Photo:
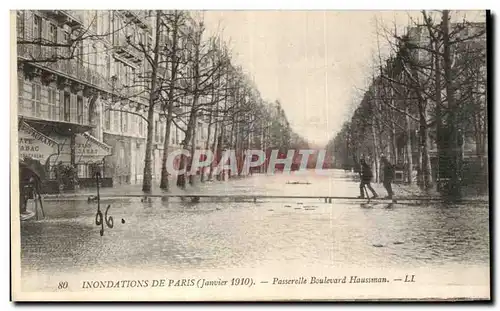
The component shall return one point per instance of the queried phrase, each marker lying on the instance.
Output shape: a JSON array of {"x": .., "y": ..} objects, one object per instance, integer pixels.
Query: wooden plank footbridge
[{"x": 257, "y": 198}]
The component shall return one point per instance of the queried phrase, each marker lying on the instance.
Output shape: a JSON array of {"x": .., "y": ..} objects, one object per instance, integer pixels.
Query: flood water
[{"x": 229, "y": 235}]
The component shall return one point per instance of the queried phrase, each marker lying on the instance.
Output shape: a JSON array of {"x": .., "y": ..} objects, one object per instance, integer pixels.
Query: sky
[{"x": 316, "y": 63}]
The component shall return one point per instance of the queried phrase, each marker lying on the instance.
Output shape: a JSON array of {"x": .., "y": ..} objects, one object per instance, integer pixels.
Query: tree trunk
[
  {"x": 148, "y": 172},
  {"x": 439, "y": 121},
  {"x": 193, "y": 148},
  {"x": 375, "y": 155},
  {"x": 181, "y": 178},
  {"x": 190, "y": 131},
  {"x": 164, "y": 183},
  {"x": 214, "y": 152},
  {"x": 376, "y": 141},
  {"x": 408, "y": 149},
  {"x": 220, "y": 175},
  {"x": 231, "y": 141},
  {"x": 166, "y": 144},
  {"x": 424, "y": 159},
  {"x": 394, "y": 148},
  {"x": 454, "y": 190},
  {"x": 207, "y": 143},
  {"x": 394, "y": 151}
]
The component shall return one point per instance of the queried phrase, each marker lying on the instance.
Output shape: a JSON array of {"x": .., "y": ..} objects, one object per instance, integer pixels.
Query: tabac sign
[
  {"x": 87, "y": 145},
  {"x": 87, "y": 148},
  {"x": 34, "y": 144}
]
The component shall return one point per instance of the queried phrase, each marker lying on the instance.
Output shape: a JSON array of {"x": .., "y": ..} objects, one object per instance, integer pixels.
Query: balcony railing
[
  {"x": 67, "y": 17},
  {"x": 124, "y": 48},
  {"x": 45, "y": 111},
  {"x": 76, "y": 71},
  {"x": 138, "y": 17},
  {"x": 69, "y": 67}
]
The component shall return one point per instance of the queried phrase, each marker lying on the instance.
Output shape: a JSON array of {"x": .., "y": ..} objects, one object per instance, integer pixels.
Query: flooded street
[{"x": 189, "y": 237}]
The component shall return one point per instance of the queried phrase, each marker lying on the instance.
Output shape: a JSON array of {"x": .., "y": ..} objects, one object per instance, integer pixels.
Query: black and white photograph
[{"x": 250, "y": 155}]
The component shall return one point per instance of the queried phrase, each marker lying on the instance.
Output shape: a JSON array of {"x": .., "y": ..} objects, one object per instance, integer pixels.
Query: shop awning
[
  {"x": 64, "y": 128},
  {"x": 34, "y": 144},
  {"x": 88, "y": 149}
]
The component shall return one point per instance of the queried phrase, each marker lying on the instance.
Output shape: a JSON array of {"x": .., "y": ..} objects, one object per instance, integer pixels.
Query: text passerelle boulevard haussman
[{"x": 328, "y": 280}]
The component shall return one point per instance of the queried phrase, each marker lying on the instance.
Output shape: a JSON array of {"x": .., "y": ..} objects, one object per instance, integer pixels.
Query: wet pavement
[{"x": 182, "y": 236}]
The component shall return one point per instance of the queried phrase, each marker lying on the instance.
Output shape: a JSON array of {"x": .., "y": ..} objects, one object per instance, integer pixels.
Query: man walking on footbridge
[
  {"x": 366, "y": 176},
  {"x": 388, "y": 176}
]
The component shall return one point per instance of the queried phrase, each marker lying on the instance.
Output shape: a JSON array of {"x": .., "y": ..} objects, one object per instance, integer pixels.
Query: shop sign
[{"x": 34, "y": 144}]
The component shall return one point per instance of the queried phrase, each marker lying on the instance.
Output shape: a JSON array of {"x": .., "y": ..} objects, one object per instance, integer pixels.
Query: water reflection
[{"x": 186, "y": 235}]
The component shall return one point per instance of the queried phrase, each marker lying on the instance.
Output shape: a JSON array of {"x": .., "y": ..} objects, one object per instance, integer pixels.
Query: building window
[
  {"x": 124, "y": 119},
  {"x": 127, "y": 75},
  {"x": 172, "y": 134},
  {"x": 162, "y": 133},
  {"x": 157, "y": 130},
  {"x": 108, "y": 67},
  {"x": 116, "y": 121},
  {"x": 117, "y": 69},
  {"x": 141, "y": 126},
  {"x": 94, "y": 22},
  {"x": 64, "y": 51},
  {"x": 200, "y": 131},
  {"x": 116, "y": 28},
  {"x": 53, "y": 38},
  {"x": 107, "y": 119},
  {"x": 79, "y": 55},
  {"x": 37, "y": 34},
  {"x": 83, "y": 171},
  {"x": 94, "y": 58},
  {"x": 52, "y": 104},
  {"x": 37, "y": 27},
  {"x": 67, "y": 106},
  {"x": 20, "y": 24},
  {"x": 79, "y": 109},
  {"x": 36, "y": 95},
  {"x": 122, "y": 156},
  {"x": 105, "y": 23}
]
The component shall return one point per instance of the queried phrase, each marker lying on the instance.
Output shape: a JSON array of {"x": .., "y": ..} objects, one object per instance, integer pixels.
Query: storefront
[
  {"x": 57, "y": 149},
  {"x": 90, "y": 155}
]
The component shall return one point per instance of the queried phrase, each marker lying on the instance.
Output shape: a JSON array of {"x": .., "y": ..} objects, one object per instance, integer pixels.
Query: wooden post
[{"x": 36, "y": 206}]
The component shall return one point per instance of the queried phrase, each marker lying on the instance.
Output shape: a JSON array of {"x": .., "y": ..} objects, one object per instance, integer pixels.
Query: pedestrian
[
  {"x": 366, "y": 176},
  {"x": 388, "y": 176}
]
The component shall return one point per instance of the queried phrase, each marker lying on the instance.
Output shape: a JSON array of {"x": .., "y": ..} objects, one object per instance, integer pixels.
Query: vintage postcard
[{"x": 168, "y": 155}]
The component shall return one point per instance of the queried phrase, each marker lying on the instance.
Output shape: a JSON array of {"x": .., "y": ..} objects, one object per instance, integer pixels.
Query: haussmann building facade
[{"x": 74, "y": 104}]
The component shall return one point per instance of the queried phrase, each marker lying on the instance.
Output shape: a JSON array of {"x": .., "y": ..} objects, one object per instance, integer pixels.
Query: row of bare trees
[
  {"x": 186, "y": 75},
  {"x": 426, "y": 106},
  {"x": 193, "y": 79}
]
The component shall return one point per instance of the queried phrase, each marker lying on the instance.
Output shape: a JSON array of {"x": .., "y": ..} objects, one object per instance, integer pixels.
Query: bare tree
[
  {"x": 176, "y": 60},
  {"x": 206, "y": 66}
]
